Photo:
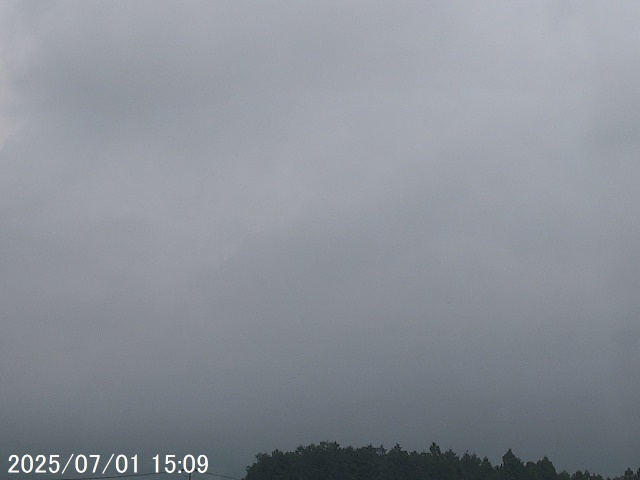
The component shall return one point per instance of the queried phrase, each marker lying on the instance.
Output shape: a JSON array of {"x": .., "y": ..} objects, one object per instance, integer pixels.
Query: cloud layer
[{"x": 232, "y": 228}]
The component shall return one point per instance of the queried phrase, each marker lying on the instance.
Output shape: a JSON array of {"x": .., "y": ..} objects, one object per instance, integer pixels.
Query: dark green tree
[{"x": 330, "y": 461}]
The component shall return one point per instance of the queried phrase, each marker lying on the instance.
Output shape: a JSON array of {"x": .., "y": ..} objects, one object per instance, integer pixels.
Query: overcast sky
[{"x": 231, "y": 227}]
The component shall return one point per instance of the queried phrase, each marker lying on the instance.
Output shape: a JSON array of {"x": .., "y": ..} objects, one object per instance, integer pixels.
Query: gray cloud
[{"x": 234, "y": 228}]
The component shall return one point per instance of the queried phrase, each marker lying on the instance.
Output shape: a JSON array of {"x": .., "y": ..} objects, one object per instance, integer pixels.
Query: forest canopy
[{"x": 330, "y": 461}]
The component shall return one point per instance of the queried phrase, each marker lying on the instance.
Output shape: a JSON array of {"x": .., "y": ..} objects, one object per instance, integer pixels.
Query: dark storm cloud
[{"x": 238, "y": 228}]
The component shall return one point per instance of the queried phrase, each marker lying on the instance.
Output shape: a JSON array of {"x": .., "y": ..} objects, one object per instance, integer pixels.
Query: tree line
[{"x": 330, "y": 461}]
